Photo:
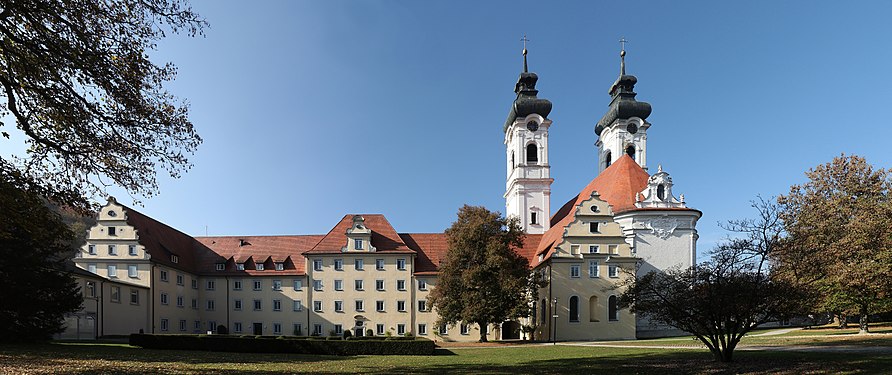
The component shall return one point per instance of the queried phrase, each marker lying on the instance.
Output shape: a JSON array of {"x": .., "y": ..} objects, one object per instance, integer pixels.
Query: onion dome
[
  {"x": 622, "y": 103},
  {"x": 527, "y": 102}
]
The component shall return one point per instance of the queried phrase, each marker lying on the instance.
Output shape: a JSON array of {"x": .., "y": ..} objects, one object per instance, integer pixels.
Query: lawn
[{"x": 534, "y": 358}]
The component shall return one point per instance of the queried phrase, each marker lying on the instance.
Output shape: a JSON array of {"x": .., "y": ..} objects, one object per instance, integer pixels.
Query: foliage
[
  {"x": 482, "y": 279},
  {"x": 227, "y": 343},
  {"x": 840, "y": 243},
  {"x": 721, "y": 300},
  {"x": 34, "y": 243},
  {"x": 77, "y": 79}
]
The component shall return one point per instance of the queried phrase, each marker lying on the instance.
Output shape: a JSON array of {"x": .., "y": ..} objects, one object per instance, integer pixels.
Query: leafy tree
[
  {"x": 482, "y": 280},
  {"x": 840, "y": 243},
  {"x": 723, "y": 299},
  {"x": 34, "y": 244},
  {"x": 76, "y": 78}
]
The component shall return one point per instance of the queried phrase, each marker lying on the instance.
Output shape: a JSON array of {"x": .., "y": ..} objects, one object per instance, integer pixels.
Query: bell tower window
[
  {"x": 607, "y": 160},
  {"x": 532, "y": 153},
  {"x": 661, "y": 192},
  {"x": 630, "y": 150},
  {"x": 533, "y": 218}
]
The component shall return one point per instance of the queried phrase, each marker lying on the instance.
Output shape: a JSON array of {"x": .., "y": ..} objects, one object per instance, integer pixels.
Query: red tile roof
[
  {"x": 265, "y": 249},
  {"x": 161, "y": 241},
  {"x": 384, "y": 237},
  {"x": 432, "y": 248}
]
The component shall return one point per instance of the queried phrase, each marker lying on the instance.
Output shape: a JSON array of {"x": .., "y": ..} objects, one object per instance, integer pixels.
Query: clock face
[
  {"x": 632, "y": 128},
  {"x": 533, "y": 126}
]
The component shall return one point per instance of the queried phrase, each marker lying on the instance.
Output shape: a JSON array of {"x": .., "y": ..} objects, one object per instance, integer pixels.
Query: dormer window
[
  {"x": 240, "y": 266},
  {"x": 221, "y": 266},
  {"x": 358, "y": 243},
  {"x": 280, "y": 266},
  {"x": 258, "y": 266},
  {"x": 174, "y": 258},
  {"x": 532, "y": 153},
  {"x": 661, "y": 192}
]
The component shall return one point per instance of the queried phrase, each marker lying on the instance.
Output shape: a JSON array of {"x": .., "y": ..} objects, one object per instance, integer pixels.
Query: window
[
  {"x": 91, "y": 249},
  {"x": 195, "y": 303},
  {"x": 164, "y": 276},
  {"x": 212, "y": 326},
  {"x": 358, "y": 243},
  {"x": 400, "y": 329},
  {"x": 112, "y": 231},
  {"x": 357, "y": 284},
  {"x": 194, "y": 283},
  {"x": 180, "y": 302},
  {"x": 422, "y": 285},
  {"x": 360, "y": 305},
  {"x": 661, "y": 192},
  {"x": 237, "y": 327},
  {"x": 443, "y": 330},
  {"x": 240, "y": 266},
  {"x": 317, "y": 329},
  {"x": 379, "y": 285},
  {"x": 595, "y": 208},
  {"x": 401, "y": 306},
  {"x": 297, "y": 329},
  {"x": 533, "y": 218},
  {"x": 116, "y": 294},
  {"x": 112, "y": 271},
  {"x": 532, "y": 153},
  {"x": 236, "y": 285},
  {"x": 131, "y": 249},
  {"x": 464, "y": 329},
  {"x": 164, "y": 324},
  {"x": 277, "y": 305},
  {"x": 339, "y": 285},
  {"x": 298, "y": 306},
  {"x": 183, "y": 325},
  {"x": 91, "y": 267},
  {"x": 574, "y": 249},
  {"x": 258, "y": 305},
  {"x": 317, "y": 307},
  {"x": 280, "y": 266},
  {"x": 211, "y": 305},
  {"x": 258, "y": 266},
  {"x": 298, "y": 284},
  {"x": 401, "y": 264},
  {"x": 593, "y": 227},
  {"x": 611, "y": 309},
  {"x": 607, "y": 159},
  {"x": 574, "y": 270},
  {"x": 339, "y": 264},
  {"x": 179, "y": 279},
  {"x": 211, "y": 284},
  {"x": 379, "y": 329},
  {"x": 379, "y": 264},
  {"x": 613, "y": 249},
  {"x": 379, "y": 306},
  {"x": 339, "y": 306},
  {"x": 163, "y": 298},
  {"x": 422, "y": 306},
  {"x": 593, "y": 249},
  {"x": 317, "y": 264},
  {"x": 258, "y": 284},
  {"x": 574, "y": 309},
  {"x": 422, "y": 329},
  {"x": 220, "y": 266},
  {"x": 338, "y": 329},
  {"x": 277, "y": 328},
  {"x": 132, "y": 271},
  {"x": 174, "y": 258},
  {"x": 593, "y": 309},
  {"x": 612, "y": 271},
  {"x": 594, "y": 269},
  {"x": 630, "y": 150},
  {"x": 401, "y": 285},
  {"x": 197, "y": 325},
  {"x": 91, "y": 289},
  {"x": 357, "y": 264},
  {"x": 317, "y": 285},
  {"x": 277, "y": 284},
  {"x": 134, "y": 297},
  {"x": 238, "y": 305}
]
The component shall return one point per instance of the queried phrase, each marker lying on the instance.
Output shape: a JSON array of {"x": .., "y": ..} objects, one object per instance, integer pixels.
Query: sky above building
[{"x": 311, "y": 110}]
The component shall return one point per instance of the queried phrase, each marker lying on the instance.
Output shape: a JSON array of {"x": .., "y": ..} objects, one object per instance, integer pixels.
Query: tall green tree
[
  {"x": 482, "y": 280},
  {"x": 34, "y": 245},
  {"x": 77, "y": 81},
  {"x": 840, "y": 243}
]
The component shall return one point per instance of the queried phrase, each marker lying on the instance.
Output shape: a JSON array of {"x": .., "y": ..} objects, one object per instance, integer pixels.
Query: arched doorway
[{"x": 510, "y": 331}]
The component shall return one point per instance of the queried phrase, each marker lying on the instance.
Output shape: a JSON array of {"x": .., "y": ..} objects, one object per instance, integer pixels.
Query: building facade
[{"x": 365, "y": 277}]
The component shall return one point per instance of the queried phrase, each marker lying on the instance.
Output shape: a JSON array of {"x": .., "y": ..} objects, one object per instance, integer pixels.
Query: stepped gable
[
  {"x": 620, "y": 185},
  {"x": 384, "y": 237},
  {"x": 432, "y": 248},
  {"x": 252, "y": 249},
  {"x": 161, "y": 241}
]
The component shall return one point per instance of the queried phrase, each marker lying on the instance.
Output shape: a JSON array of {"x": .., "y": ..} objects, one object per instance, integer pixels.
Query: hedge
[{"x": 281, "y": 344}]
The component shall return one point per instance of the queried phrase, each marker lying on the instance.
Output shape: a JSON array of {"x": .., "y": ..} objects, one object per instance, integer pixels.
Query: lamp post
[{"x": 554, "y": 317}]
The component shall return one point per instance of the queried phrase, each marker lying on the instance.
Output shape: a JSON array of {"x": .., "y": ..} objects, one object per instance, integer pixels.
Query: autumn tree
[
  {"x": 723, "y": 299},
  {"x": 482, "y": 279},
  {"x": 840, "y": 237},
  {"x": 77, "y": 83}
]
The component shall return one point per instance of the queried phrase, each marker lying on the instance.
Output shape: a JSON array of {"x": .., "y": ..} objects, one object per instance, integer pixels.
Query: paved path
[{"x": 776, "y": 332}]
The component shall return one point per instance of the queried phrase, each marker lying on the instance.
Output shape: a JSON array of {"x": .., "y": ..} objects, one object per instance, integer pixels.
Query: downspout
[
  {"x": 551, "y": 305},
  {"x": 100, "y": 307},
  {"x": 151, "y": 296},
  {"x": 228, "y": 324}
]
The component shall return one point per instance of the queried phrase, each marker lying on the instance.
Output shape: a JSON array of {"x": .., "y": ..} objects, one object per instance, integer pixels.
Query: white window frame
[
  {"x": 574, "y": 271},
  {"x": 132, "y": 271},
  {"x": 612, "y": 271},
  {"x": 594, "y": 269},
  {"x": 379, "y": 264},
  {"x": 401, "y": 264},
  {"x": 594, "y": 249}
]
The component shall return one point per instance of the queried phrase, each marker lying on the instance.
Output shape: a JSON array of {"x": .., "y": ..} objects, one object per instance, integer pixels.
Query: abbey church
[{"x": 365, "y": 276}]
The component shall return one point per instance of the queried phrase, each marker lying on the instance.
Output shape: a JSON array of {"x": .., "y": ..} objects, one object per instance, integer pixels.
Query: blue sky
[{"x": 311, "y": 110}]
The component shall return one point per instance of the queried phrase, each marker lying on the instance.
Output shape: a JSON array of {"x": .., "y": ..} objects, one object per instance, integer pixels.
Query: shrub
[
  {"x": 331, "y": 346},
  {"x": 347, "y": 334},
  {"x": 369, "y": 332}
]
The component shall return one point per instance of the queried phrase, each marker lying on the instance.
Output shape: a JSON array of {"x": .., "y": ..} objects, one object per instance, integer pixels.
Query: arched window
[
  {"x": 512, "y": 160},
  {"x": 630, "y": 150},
  {"x": 532, "y": 153},
  {"x": 661, "y": 192},
  {"x": 593, "y": 309},
  {"x": 574, "y": 309},
  {"x": 607, "y": 160},
  {"x": 542, "y": 312},
  {"x": 611, "y": 309}
]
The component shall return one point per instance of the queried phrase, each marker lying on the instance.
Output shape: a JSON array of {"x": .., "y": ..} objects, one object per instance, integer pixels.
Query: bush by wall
[{"x": 250, "y": 344}]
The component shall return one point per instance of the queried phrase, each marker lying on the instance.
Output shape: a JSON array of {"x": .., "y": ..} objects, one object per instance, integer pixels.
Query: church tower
[
  {"x": 623, "y": 129},
  {"x": 528, "y": 183}
]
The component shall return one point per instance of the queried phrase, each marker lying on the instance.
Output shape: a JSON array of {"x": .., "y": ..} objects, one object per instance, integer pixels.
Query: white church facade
[{"x": 365, "y": 276}]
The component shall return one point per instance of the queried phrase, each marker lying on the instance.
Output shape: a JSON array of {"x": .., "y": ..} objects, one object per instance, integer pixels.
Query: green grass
[{"x": 73, "y": 358}]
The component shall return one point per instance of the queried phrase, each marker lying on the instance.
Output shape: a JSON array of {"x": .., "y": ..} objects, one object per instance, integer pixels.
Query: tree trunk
[
  {"x": 862, "y": 322},
  {"x": 483, "y": 331},
  {"x": 841, "y": 321}
]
